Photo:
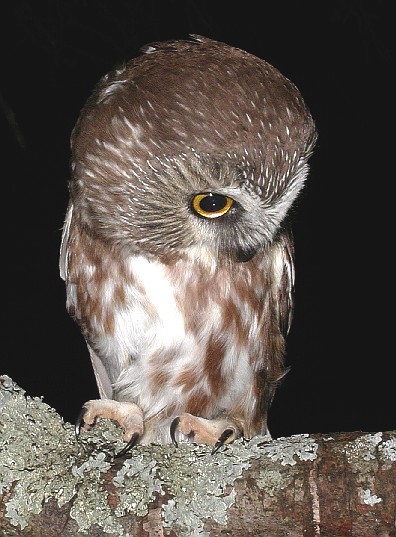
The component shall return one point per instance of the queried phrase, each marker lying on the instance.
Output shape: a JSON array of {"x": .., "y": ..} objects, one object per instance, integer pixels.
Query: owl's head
[{"x": 194, "y": 144}]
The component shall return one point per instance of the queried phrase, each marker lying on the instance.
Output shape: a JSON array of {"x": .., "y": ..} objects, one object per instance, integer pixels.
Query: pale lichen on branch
[{"x": 46, "y": 475}]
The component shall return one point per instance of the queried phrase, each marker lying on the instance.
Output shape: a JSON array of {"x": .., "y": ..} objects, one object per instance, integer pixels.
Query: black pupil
[{"x": 213, "y": 202}]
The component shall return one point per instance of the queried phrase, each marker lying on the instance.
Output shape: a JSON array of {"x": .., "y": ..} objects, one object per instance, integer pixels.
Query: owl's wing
[
  {"x": 285, "y": 280},
  {"x": 102, "y": 379},
  {"x": 63, "y": 258}
]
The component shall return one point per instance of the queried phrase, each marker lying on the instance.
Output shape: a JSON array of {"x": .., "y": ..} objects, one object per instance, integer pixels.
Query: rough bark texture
[{"x": 331, "y": 485}]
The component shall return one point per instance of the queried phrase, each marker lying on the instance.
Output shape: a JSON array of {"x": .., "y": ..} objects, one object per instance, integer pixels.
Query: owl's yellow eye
[{"x": 211, "y": 205}]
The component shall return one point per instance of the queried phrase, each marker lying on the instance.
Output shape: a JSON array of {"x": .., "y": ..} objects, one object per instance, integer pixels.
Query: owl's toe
[
  {"x": 128, "y": 415},
  {"x": 215, "y": 433}
]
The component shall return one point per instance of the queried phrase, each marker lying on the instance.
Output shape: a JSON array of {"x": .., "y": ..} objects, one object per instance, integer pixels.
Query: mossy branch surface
[{"x": 50, "y": 484}]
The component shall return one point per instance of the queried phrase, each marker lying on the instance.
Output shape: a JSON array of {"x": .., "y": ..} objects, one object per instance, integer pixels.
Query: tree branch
[{"x": 318, "y": 485}]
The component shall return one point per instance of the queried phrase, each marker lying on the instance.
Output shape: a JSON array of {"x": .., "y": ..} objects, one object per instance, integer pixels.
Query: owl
[{"x": 176, "y": 250}]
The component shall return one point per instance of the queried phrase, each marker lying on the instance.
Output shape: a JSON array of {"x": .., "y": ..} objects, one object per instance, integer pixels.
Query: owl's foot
[
  {"x": 128, "y": 415},
  {"x": 215, "y": 433}
]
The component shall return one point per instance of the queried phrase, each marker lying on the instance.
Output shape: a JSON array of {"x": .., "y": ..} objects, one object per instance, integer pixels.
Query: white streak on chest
[
  {"x": 150, "y": 320},
  {"x": 159, "y": 293},
  {"x": 151, "y": 323}
]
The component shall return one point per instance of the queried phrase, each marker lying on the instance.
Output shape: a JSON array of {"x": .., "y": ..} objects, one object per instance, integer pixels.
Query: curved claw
[
  {"x": 80, "y": 421},
  {"x": 222, "y": 440},
  {"x": 173, "y": 428},
  {"x": 128, "y": 446}
]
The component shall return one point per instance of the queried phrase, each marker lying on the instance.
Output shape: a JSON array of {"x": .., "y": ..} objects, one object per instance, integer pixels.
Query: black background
[{"x": 340, "y": 54}]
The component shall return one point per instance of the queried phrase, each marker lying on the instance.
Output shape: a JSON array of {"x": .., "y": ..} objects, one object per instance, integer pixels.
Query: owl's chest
[
  {"x": 175, "y": 332},
  {"x": 186, "y": 312},
  {"x": 185, "y": 331},
  {"x": 189, "y": 296},
  {"x": 189, "y": 308}
]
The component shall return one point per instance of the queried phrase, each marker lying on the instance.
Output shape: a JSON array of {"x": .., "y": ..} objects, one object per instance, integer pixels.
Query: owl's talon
[
  {"x": 80, "y": 421},
  {"x": 132, "y": 442},
  {"x": 172, "y": 430},
  {"x": 225, "y": 435}
]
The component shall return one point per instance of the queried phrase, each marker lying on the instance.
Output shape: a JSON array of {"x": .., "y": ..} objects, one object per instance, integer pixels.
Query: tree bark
[{"x": 327, "y": 485}]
